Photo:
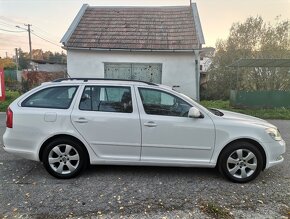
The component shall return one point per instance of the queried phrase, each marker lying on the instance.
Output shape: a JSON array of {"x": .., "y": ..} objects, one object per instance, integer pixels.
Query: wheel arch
[
  {"x": 52, "y": 138},
  {"x": 255, "y": 143}
]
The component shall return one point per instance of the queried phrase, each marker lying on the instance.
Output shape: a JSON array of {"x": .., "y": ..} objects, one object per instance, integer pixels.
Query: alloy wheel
[
  {"x": 64, "y": 159},
  {"x": 242, "y": 163}
]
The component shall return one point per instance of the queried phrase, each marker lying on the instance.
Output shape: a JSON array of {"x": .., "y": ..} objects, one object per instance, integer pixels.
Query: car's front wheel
[
  {"x": 63, "y": 158},
  {"x": 241, "y": 162}
]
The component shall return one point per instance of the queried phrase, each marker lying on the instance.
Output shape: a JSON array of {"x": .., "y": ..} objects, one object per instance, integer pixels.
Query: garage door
[{"x": 134, "y": 71}]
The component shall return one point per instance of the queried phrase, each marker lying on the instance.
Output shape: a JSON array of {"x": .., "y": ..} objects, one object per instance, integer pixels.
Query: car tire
[
  {"x": 240, "y": 162},
  {"x": 64, "y": 158}
]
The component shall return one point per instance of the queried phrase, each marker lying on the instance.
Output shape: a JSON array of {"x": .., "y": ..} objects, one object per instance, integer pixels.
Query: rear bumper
[
  {"x": 22, "y": 153},
  {"x": 20, "y": 147}
]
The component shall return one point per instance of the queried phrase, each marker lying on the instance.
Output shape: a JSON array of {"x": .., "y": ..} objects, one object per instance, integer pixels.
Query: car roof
[
  {"x": 102, "y": 81},
  {"x": 105, "y": 81}
]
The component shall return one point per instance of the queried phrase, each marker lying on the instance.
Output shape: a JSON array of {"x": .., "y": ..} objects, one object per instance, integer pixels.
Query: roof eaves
[
  {"x": 74, "y": 24},
  {"x": 144, "y": 7},
  {"x": 130, "y": 50},
  {"x": 197, "y": 23}
]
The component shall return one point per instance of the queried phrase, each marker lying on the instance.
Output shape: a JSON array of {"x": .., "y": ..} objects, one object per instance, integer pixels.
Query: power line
[
  {"x": 8, "y": 20},
  {"x": 12, "y": 31},
  {"x": 6, "y": 24},
  {"x": 43, "y": 31},
  {"x": 46, "y": 40}
]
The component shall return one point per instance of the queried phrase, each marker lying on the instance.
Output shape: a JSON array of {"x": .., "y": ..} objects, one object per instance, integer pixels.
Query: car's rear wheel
[
  {"x": 64, "y": 158},
  {"x": 240, "y": 162}
]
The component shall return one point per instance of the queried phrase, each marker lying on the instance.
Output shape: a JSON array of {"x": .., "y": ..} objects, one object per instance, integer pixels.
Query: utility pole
[
  {"x": 16, "y": 58},
  {"x": 29, "y": 36}
]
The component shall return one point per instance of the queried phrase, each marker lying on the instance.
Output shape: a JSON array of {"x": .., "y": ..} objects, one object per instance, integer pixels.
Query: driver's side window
[{"x": 157, "y": 102}]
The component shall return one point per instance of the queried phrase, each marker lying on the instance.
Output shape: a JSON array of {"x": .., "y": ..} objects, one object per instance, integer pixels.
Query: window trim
[{"x": 46, "y": 88}]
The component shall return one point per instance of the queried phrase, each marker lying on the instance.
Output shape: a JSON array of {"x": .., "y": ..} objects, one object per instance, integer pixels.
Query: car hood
[{"x": 245, "y": 118}]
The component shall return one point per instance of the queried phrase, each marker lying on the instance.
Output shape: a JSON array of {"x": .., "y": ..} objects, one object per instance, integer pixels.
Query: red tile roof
[{"x": 156, "y": 28}]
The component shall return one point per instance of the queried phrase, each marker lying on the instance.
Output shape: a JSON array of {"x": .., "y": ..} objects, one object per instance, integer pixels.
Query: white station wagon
[{"x": 70, "y": 123}]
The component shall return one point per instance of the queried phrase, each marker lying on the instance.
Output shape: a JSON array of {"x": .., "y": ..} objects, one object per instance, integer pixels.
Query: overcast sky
[{"x": 51, "y": 18}]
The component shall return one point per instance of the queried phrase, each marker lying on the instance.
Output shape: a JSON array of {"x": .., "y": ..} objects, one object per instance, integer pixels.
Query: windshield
[{"x": 213, "y": 111}]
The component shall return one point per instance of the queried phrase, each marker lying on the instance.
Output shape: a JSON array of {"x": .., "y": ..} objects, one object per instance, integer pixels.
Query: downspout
[
  {"x": 200, "y": 41},
  {"x": 197, "y": 74}
]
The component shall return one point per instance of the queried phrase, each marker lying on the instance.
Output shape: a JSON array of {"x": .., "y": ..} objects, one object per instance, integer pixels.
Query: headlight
[{"x": 274, "y": 133}]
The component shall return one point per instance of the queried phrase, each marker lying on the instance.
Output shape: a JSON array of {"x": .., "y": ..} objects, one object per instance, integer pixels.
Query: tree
[
  {"x": 23, "y": 59},
  {"x": 252, "y": 39},
  {"x": 54, "y": 57},
  {"x": 7, "y": 63},
  {"x": 38, "y": 54}
]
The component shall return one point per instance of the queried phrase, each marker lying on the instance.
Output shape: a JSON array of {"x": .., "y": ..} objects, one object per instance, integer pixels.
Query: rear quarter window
[{"x": 59, "y": 97}]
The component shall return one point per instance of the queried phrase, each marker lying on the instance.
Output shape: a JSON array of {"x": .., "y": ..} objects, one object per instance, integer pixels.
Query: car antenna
[{"x": 175, "y": 86}]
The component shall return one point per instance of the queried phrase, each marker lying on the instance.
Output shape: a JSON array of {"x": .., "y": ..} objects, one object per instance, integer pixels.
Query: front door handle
[
  {"x": 150, "y": 124},
  {"x": 81, "y": 120}
]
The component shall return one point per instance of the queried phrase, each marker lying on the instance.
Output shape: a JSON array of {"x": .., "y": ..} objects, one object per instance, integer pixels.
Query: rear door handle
[
  {"x": 150, "y": 124},
  {"x": 81, "y": 120}
]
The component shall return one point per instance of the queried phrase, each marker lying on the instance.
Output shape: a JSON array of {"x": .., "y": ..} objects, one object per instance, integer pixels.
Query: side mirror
[{"x": 194, "y": 113}]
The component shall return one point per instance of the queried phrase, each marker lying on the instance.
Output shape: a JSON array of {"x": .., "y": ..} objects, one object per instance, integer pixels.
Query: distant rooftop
[{"x": 144, "y": 28}]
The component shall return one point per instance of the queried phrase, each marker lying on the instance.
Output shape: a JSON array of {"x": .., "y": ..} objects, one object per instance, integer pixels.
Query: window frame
[
  {"x": 166, "y": 92},
  {"x": 106, "y": 86},
  {"x": 25, "y": 100}
]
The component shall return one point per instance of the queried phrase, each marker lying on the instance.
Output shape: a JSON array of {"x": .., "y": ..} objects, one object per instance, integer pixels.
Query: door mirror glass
[{"x": 194, "y": 113}]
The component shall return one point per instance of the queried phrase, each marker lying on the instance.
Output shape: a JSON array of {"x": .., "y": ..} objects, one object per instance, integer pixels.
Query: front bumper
[{"x": 275, "y": 153}]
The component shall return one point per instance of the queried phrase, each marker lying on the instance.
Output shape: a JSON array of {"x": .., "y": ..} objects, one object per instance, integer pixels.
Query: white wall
[{"x": 177, "y": 68}]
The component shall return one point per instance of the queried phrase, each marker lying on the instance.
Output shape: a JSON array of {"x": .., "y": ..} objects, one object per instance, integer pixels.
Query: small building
[
  {"x": 206, "y": 57},
  {"x": 48, "y": 66},
  {"x": 155, "y": 44}
]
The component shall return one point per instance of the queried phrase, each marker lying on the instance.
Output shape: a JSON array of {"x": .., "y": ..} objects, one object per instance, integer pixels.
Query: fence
[
  {"x": 260, "y": 99},
  {"x": 10, "y": 75}
]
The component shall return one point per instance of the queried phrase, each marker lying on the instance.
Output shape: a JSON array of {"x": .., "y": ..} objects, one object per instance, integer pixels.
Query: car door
[
  {"x": 168, "y": 135},
  {"x": 108, "y": 119}
]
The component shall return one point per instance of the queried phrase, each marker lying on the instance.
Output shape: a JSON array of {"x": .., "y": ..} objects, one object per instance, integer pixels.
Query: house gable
[{"x": 135, "y": 28}]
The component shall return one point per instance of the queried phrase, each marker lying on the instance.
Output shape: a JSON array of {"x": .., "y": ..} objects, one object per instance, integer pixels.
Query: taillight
[{"x": 9, "y": 118}]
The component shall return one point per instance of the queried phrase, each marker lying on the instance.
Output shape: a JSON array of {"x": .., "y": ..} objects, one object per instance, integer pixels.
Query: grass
[
  {"x": 276, "y": 113},
  {"x": 10, "y": 96},
  {"x": 214, "y": 210}
]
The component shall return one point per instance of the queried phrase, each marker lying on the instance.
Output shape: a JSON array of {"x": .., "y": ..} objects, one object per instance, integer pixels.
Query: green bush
[{"x": 10, "y": 97}]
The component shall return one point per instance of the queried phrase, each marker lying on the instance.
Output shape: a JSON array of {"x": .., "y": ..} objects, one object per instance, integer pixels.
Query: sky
[{"x": 51, "y": 18}]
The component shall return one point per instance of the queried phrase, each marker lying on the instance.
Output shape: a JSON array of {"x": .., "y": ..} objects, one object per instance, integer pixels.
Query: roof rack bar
[{"x": 101, "y": 79}]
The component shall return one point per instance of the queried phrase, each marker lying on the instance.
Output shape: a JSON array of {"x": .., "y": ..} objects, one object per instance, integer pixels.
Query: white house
[{"x": 156, "y": 44}]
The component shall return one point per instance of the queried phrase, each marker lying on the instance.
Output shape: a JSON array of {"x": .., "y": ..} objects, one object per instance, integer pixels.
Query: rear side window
[
  {"x": 53, "y": 97},
  {"x": 106, "y": 99}
]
